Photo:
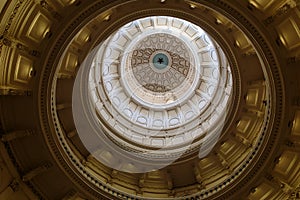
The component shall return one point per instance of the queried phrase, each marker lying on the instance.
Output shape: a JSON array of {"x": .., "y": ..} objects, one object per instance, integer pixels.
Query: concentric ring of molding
[{"x": 212, "y": 94}]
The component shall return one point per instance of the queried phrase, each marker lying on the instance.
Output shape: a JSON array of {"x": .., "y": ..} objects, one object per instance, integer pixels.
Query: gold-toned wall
[{"x": 27, "y": 27}]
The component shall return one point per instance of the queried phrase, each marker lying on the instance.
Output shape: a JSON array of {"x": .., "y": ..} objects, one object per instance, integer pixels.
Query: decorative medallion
[{"x": 161, "y": 62}]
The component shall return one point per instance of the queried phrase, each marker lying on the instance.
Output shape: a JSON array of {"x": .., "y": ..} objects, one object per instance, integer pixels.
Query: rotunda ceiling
[
  {"x": 158, "y": 82},
  {"x": 158, "y": 100},
  {"x": 159, "y": 92}
]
